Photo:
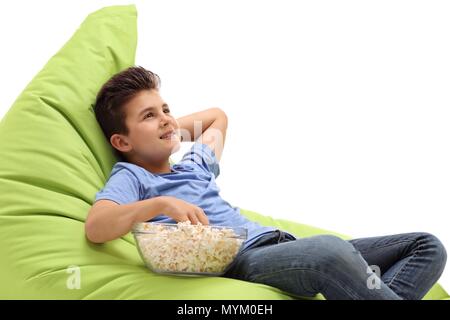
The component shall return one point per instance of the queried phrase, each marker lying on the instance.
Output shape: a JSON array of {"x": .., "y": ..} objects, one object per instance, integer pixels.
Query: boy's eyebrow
[{"x": 151, "y": 108}]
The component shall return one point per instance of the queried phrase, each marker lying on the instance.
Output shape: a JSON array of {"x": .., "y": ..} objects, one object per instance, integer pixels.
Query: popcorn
[{"x": 187, "y": 248}]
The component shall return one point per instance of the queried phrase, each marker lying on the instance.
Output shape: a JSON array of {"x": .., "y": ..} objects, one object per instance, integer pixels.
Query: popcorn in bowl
[{"x": 187, "y": 249}]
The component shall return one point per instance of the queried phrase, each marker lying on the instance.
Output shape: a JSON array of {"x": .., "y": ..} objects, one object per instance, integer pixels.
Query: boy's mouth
[{"x": 167, "y": 135}]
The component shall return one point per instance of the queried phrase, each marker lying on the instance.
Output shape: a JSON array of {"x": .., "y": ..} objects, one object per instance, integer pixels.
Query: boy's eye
[{"x": 150, "y": 114}]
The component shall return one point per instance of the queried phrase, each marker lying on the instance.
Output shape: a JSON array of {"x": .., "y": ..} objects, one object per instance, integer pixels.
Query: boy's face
[{"x": 148, "y": 118}]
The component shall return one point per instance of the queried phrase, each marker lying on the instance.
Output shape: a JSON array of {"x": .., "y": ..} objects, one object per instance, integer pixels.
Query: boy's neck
[{"x": 163, "y": 167}]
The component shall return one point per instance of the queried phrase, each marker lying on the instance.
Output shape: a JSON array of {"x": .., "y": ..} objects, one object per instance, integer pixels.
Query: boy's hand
[{"x": 180, "y": 210}]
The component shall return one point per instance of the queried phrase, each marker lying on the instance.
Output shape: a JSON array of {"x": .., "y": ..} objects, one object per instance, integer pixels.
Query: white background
[{"x": 338, "y": 110}]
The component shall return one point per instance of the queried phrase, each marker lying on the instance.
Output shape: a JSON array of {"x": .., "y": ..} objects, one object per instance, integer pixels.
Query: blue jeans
[{"x": 394, "y": 267}]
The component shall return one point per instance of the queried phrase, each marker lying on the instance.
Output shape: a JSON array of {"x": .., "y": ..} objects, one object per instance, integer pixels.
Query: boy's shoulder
[
  {"x": 127, "y": 168},
  {"x": 121, "y": 165}
]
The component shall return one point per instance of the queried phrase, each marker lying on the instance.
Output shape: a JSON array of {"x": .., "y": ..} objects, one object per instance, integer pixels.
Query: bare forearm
[
  {"x": 115, "y": 221},
  {"x": 193, "y": 125}
]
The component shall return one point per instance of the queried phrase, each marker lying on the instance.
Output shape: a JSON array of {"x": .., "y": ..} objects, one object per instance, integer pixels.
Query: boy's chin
[{"x": 175, "y": 147}]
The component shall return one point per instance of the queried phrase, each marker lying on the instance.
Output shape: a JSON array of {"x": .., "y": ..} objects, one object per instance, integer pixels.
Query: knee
[{"x": 432, "y": 243}]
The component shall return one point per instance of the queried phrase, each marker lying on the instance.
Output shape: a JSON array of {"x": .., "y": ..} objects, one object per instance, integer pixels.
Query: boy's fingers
[
  {"x": 193, "y": 218},
  {"x": 202, "y": 217},
  {"x": 184, "y": 219}
]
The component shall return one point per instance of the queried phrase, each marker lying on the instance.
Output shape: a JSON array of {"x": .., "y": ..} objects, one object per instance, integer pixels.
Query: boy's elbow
[
  {"x": 91, "y": 231},
  {"x": 222, "y": 115}
]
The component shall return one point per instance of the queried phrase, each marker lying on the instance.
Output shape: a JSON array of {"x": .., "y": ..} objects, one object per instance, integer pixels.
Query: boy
[{"x": 144, "y": 186}]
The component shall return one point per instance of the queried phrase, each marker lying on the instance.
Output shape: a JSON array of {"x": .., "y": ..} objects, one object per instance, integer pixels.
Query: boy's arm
[
  {"x": 208, "y": 126},
  {"x": 108, "y": 220},
  {"x": 117, "y": 220}
]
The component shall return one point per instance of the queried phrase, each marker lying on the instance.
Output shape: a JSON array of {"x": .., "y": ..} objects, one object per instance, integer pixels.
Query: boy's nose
[{"x": 165, "y": 119}]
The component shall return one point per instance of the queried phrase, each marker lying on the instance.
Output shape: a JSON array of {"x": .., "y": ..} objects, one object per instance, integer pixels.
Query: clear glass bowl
[{"x": 185, "y": 249}]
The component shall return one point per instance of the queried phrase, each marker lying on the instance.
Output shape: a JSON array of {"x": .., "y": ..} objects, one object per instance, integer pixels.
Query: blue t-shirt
[{"x": 192, "y": 179}]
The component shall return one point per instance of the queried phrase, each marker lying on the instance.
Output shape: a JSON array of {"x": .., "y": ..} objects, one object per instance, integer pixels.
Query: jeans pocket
[{"x": 286, "y": 236}]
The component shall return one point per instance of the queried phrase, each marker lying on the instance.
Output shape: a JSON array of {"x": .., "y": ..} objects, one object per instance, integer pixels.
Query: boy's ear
[{"x": 120, "y": 142}]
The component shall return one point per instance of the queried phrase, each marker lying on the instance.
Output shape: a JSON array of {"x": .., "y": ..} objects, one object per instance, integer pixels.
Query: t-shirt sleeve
[
  {"x": 123, "y": 187},
  {"x": 203, "y": 157}
]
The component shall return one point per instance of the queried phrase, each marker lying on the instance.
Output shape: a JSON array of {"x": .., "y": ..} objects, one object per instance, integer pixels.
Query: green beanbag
[{"x": 54, "y": 158}]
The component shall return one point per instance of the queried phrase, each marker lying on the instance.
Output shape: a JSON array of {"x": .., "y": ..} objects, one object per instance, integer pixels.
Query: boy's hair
[{"x": 115, "y": 93}]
